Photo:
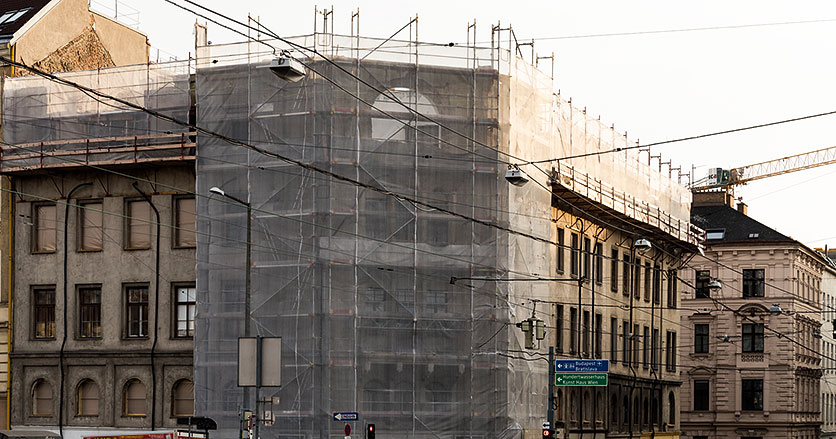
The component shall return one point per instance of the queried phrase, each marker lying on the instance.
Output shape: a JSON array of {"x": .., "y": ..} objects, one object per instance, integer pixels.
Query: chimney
[
  {"x": 743, "y": 208},
  {"x": 712, "y": 198}
]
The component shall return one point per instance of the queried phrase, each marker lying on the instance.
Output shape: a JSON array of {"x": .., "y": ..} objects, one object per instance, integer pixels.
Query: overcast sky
[{"x": 654, "y": 86}]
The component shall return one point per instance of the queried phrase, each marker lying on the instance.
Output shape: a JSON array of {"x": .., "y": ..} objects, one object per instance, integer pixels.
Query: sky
[{"x": 656, "y": 86}]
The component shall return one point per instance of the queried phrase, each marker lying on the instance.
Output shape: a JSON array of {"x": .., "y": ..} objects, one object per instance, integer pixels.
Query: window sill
[
  {"x": 182, "y": 337},
  {"x": 130, "y": 338},
  {"x": 183, "y": 247},
  {"x": 43, "y": 339},
  {"x": 134, "y": 249},
  {"x": 88, "y": 338},
  {"x": 89, "y": 250},
  {"x": 135, "y": 416},
  {"x": 44, "y": 252}
]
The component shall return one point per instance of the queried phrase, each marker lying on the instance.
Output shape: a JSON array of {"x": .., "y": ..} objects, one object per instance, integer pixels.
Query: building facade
[
  {"x": 751, "y": 355},
  {"x": 103, "y": 286},
  {"x": 395, "y": 261},
  {"x": 828, "y": 348}
]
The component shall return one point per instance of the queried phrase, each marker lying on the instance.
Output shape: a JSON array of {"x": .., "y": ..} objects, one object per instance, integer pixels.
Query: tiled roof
[
  {"x": 15, "y": 13},
  {"x": 730, "y": 225}
]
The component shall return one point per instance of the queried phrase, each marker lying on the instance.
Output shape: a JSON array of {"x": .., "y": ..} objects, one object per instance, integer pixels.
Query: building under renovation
[{"x": 387, "y": 247}]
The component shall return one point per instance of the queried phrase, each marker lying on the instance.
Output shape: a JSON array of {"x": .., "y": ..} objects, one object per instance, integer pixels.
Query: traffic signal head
[
  {"x": 548, "y": 433},
  {"x": 370, "y": 430}
]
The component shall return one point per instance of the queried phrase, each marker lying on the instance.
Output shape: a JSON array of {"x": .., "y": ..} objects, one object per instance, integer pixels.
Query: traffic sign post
[
  {"x": 580, "y": 379},
  {"x": 582, "y": 366}
]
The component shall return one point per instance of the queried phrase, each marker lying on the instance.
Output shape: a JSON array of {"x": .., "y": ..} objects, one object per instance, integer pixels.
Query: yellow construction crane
[{"x": 719, "y": 178}]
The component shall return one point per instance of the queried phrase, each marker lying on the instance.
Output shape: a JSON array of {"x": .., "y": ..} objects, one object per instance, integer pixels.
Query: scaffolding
[{"x": 357, "y": 282}]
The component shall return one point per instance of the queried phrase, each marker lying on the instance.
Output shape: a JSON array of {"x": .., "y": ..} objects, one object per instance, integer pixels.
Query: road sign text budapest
[
  {"x": 582, "y": 366},
  {"x": 580, "y": 379}
]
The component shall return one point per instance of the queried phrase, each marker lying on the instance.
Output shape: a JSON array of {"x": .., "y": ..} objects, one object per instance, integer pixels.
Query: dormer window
[
  {"x": 754, "y": 235},
  {"x": 713, "y": 234}
]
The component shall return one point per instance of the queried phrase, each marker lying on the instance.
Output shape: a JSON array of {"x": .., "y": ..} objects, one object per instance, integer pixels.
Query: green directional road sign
[{"x": 580, "y": 379}]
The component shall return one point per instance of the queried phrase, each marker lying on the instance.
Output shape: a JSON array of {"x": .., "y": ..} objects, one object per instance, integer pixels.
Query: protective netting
[
  {"x": 53, "y": 125},
  {"x": 356, "y": 282}
]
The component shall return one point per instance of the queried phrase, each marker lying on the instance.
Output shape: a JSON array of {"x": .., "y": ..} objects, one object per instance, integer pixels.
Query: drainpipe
[
  {"x": 64, "y": 335},
  {"x": 156, "y": 310}
]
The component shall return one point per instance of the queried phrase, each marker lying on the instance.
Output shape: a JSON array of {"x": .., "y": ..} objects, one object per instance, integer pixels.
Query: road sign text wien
[
  {"x": 598, "y": 366},
  {"x": 580, "y": 379}
]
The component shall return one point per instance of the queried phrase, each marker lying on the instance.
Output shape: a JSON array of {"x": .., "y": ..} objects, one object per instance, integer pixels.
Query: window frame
[
  {"x": 127, "y": 218},
  {"x": 125, "y": 399},
  {"x": 81, "y": 307},
  {"x": 598, "y": 258},
  {"x": 175, "y": 219},
  {"x": 35, "y": 227},
  {"x": 558, "y": 328},
  {"x": 751, "y": 403},
  {"x": 752, "y": 282},
  {"x": 174, "y": 398},
  {"x": 574, "y": 256},
  {"x": 80, "y": 398},
  {"x": 701, "y": 280},
  {"x": 614, "y": 270},
  {"x": 81, "y": 209},
  {"x": 128, "y": 306},
  {"x": 752, "y": 340},
  {"x": 175, "y": 301},
  {"x": 35, "y": 308},
  {"x": 702, "y": 340},
  {"x": 561, "y": 250},
  {"x": 34, "y": 407}
]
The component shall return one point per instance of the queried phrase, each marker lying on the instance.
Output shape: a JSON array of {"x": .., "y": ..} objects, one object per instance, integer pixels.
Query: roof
[
  {"x": 15, "y": 13},
  {"x": 734, "y": 225}
]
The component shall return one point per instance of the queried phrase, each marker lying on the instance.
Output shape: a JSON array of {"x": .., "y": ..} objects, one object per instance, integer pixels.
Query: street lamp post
[{"x": 247, "y": 283}]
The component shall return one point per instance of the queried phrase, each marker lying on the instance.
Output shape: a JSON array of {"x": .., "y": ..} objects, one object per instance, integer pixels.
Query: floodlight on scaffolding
[{"x": 287, "y": 68}]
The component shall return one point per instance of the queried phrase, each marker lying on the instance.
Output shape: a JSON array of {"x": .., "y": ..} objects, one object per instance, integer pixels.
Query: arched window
[
  {"x": 601, "y": 406},
  {"x": 625, "y": 411},
  {"x": 182, "y": 396},
  {"x": 41, "y": 398},
  {"x": 558, "y": 409},
  {"x": 672, "y": 408},
  {"x": 573, "y": 406},
  {"x": 646, "y": 411},
  {"x": 134, "y": 395},
  {"x": 88, "y": 398},
  {"x": 636, "y": 411},
  {"x": 614, "y": 414},
  {"x": 656, "y": 412},
  {"x": 587, "y": 407}
]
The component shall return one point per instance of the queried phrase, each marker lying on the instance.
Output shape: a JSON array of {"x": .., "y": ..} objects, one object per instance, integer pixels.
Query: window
[
  {"x": 625, "y": 276},
  {"x": 558, "y": 329},
  {"x": 625, "y": 341},
  {"x": 561, "y": 250},
  {"x": 636, "y": 341},
  {"x": 753, "y": 337},
  {"x": 657, "y": 284},
  {"x": 701, "y": 338},
  {"x": 599, "y": 335},
  {"x": 670, "y": 352},
  {"x": 436, "y": 301},
  {"x": 573, "y": 330},
  {"x": 12, "y": 16},
  {"x": 88, "y": 398},
  {"x": 647, "y": 278},
  {"x": 90, "y": 311},
  {"x": 712, "y": 234},
  {"x": 41, "y": 398},
  {"x": 645, "y": 351},
  {"x": 90, "y": 226},
  {"x": 599, "y": 263},
  {"x": 672, "y": 280},
  {"x": 184, "y": 298},
  {"x": 573, "y": 257},
  {"x": 136, "y": 311},
  {"x": 614, "y": 271},
  {"x": 184, "y": 222},
  {"x": 752, "y": 395},
  {"x": 134, "y": 398},
  {"x": 655, "y": 350},
  {"x": 586, "y": 257},
  {"x": 44, "y": 312},
  {"x": 586, "y": 328},
  {"x": 137, "y": 225},
  {"x": 672, "y": 410},
  {"x": 375, "y": 299},
  {"x": 753, "y": 283},
  {"x": 44, "y": 227},
  {"x": 702, "y": 279},
  {"x": 182, "y": 403},
  {"x": 613, "y": 339}
]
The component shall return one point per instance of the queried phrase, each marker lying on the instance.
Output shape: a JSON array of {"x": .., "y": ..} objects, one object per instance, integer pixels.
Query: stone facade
[
  {"x": 750, "y": 350},
  {"x": 828, "y": 349}
]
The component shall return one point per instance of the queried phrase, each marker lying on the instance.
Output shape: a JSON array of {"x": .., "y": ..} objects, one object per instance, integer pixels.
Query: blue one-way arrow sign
[
  {"x": 575, "y": 366},
  {"x": 346, "y": 416}
]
